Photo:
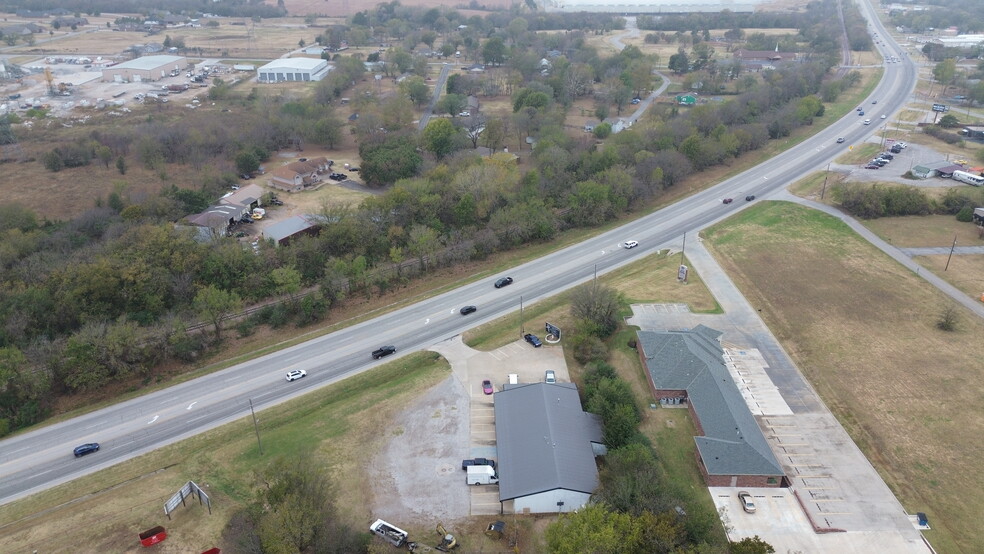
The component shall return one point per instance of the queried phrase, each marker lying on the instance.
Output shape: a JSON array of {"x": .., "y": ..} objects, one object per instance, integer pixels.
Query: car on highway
[
  {"x": 533, "y": 339},
  {"x": 883, "y": 116},
  {"x": 383, "y": 351},
  {"x": 295, "y": 374},
  {"x": 840, "y": 140},
  {"x": 505, "y": 281},
  {"x": 861, "y": 113},
  {"x": 629, "y": 244},
  {"x": 867, "y": 122},
  {"x": 549, "y": 376},
  {"x": 749, "y": 198},
  {"x": 874, "y": 101},
  {"x": 727, "y": 200},
  {"x": 87, "y": 448},
  {"x": 468, "y": 310},
  {"x": 487, "y": 387},
  {"x": 747, "y": 503}
]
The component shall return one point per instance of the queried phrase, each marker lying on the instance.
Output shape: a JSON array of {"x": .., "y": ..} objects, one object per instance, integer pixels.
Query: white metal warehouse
[
  {"x": 293, "y": 69},
  {"x": 147, "y": 68}
]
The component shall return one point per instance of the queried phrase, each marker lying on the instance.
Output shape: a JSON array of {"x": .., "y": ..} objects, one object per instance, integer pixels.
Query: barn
[
  {"x": 146, "y": 68},
  {"x": 293, "y": 69}
]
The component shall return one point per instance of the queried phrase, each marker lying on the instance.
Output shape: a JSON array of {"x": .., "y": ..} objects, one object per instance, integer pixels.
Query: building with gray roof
[
  {"x": 293, "y": 69},
  {"x": 146, "y": 68},
  {"x": 688, "y": 367},
  {"x": 546, "y": 446},
  {"x": 282, "y": 232}
]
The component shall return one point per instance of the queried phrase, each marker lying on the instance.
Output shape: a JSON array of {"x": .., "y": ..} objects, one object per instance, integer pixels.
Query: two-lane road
[{"x": 43, "y": 458}]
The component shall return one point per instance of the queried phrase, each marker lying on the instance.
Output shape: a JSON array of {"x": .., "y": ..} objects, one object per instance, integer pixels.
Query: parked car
[
  {"x": 296, "y": 374},
  {"x": 550, "y": 376},
  {"x": 464, "y": 114},
  {"x": 87, "y": 448},
  {"x": 468, "y": 310},
  {"x": 749, "y": 198},
  {"x": 887, "y": 156},
  {"x": 728, "y": 200},
  {"x": 338, "y": 176},
  {"x": 629, "y": 244},
  {"x": 872, "y": 166},
  {"x": 747, "y": 503},
  {"x": 879, "y": 162},
  {"x": 505, "y": 281},
  {"x": 487, "y": 387},
  {"x": 636, "y": 100},
  {"x": 840, "y": 140},
  {"x": 383, "y": 351},
  {"x": 533, "y": 339}
]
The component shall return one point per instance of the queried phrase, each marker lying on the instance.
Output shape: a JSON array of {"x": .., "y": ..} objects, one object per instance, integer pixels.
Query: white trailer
[
  {"x": 389, "y": 533},
  {"x": 481, "y": 475},
  {"x": 969, "y": 178}
]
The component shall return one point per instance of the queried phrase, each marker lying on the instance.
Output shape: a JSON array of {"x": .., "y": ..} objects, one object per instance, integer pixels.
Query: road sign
[
  {"x": 940, "y": 108},
  {"x": 552, "y": 329}
]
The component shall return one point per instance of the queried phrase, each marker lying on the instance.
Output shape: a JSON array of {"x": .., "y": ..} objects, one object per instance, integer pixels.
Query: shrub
[{"x": 966, "y": 214}]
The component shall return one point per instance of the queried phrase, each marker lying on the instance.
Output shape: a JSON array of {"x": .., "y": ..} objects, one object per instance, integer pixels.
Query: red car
[
  {"x": 872, "y": 166},
  {"x": 487, "y": 387}
]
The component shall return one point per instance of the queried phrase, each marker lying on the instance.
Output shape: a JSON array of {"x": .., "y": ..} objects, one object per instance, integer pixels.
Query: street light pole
[{"x": 954, "y": 245}]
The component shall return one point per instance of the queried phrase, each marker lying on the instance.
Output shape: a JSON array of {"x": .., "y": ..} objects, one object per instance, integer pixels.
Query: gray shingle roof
[
  {"x": 693, "y": 361},
  {"x": 543, "y": 440}
]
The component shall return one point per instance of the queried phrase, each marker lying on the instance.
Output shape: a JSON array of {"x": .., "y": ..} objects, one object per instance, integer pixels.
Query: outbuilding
[
  {"x": 146, "y": 68},
  {"x": 293, "y": 69}
]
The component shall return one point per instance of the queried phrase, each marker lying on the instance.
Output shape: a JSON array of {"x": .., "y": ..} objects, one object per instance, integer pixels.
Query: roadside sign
[
  {"x": 940, "y": 108},
  {"x": 682, "y": 273}
]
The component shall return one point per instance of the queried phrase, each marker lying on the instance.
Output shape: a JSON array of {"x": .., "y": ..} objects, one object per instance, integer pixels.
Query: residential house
[
  {"x": 296, "y": 176},
  {"x": 618, "y": 124}
]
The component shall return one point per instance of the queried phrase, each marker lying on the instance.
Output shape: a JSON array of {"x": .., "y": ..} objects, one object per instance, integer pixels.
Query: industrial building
[
  {"x": 293, "y": 69},
  {"x": 146, "y": 68}
]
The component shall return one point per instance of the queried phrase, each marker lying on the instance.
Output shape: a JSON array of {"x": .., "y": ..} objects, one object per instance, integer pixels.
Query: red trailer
[{"x": 150, "y": 537}]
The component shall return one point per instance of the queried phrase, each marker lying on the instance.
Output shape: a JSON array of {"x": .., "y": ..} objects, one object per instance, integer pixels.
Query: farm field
[{"x": 864, "y": 333}]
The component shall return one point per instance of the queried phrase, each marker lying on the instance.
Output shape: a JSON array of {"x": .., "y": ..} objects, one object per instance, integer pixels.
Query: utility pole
[
  {"x": 522, "y": 328},
  {"x": 256, "y": 426},
  {"x": 825, "y": 175},
  {"x": 954, "y": 245},
  {"x": 683, "y": 248}
]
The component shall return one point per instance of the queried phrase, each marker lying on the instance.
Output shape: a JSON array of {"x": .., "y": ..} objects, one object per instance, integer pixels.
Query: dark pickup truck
[{"x": 477, "y": 462}]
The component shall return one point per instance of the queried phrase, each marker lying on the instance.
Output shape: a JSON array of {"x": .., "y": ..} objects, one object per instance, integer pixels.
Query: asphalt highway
[{"x": 34, "y": 461}]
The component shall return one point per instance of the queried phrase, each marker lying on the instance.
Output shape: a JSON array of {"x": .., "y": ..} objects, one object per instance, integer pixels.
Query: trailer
[{"x": 969, "y": 178}]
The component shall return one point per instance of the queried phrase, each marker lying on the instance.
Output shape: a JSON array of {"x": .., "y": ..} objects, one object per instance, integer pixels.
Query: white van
[{"x": 481, "y": 475}]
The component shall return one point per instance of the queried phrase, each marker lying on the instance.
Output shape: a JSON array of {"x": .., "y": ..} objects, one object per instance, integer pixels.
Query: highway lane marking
[
  {"x": 153, "y": 420},
  {"x": 426, "y": 321},
  {"x": 42, "y": 472},
  {"x": 127, "y": 443},
  {"x": 197, "y": 418},
  {"x": 93, "y": 426},
  {"x": 191, "y": 405}
]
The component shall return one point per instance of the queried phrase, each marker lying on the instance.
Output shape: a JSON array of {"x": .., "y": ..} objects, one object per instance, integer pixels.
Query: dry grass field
[{"x": 864, "y": 333}]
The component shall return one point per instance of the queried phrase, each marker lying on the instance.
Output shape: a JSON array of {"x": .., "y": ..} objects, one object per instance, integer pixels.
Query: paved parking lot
[{"x": 471, "y": 367}]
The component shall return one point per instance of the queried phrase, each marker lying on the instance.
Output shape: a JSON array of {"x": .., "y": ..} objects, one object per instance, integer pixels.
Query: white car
[
  {"x": 464, "y": 114},
  {"x": 630, "y": 244},
  {"x": 295, "y": 374},
  {"x": 747, "y": 503},
  {"x": 867, "y": 122},
  {"x": 884, "y": 116}
]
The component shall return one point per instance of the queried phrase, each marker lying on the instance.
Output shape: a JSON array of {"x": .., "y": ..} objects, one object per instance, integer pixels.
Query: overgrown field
[{"x": 863, "y": 331}]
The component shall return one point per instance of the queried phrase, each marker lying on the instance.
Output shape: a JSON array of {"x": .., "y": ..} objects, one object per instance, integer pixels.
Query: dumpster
[
  {"x": 494, "y": 530},
  {"x": 150, "y": 537}
]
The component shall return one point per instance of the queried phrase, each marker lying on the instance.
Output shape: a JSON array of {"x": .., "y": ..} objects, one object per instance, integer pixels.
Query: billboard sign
[{"x": 940, "y": 108}]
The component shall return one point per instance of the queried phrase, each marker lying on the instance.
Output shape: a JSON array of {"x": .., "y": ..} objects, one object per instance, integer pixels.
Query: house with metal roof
[
  {"x": 546, "y": 446},
  {"x": 934, "y": 169},
  {"x": 247, "y": 197},
  {"x": 688, "y": 367}
]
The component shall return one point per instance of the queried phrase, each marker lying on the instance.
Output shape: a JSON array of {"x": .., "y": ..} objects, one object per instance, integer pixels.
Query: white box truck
[{"x": 481, "y": 475}]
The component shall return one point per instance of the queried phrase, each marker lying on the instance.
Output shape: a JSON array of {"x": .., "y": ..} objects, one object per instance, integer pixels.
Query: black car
[
  {"x": 338, "y": 176},
  {"x": 383, "y": 351},
  {"x": 749, "y": 198},
  {"x": 503, "y": 282},
  {"x": 87, "y": 448},
  {"x": 886, "y": 156},
  {"x": 468, "y": 310},
  {"x": 533, "y": 339}
]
